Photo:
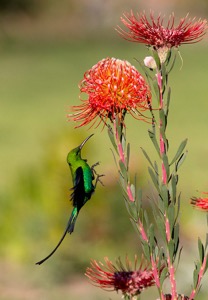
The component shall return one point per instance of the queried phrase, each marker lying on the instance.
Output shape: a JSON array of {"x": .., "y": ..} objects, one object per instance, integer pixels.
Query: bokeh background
[{"x": 45, "y": 48}]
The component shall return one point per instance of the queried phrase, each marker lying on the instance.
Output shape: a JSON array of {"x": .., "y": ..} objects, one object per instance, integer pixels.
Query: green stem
[
  {"x": 164, "y": 170},
  {"x": 162, "y": 128}
]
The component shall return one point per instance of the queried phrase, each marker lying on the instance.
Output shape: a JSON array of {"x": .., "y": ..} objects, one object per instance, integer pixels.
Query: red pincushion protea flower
[
  {"x": 154, "y": 33},
  {"x": 129, "y": 282},
  {"x": 114, "y": 87},
  {"x": 200, "y": 203}
]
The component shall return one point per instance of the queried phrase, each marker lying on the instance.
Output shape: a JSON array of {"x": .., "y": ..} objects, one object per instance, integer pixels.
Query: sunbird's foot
[
  {"x": 95, "y": 165},
  {"x": 95, "y": 173},
  {"x": 98, "y": 179}
]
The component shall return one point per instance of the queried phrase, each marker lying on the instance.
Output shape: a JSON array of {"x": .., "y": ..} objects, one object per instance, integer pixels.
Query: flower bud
[{"x": 150, "y": 62}]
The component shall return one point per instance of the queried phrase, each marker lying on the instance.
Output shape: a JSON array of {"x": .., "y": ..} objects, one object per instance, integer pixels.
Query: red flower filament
[
  {"x": 114, "y": 87},
  {"x": 153, "y": 33}
]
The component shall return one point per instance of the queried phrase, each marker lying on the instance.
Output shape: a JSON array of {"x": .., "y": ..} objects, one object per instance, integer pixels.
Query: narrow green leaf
[
  {"x": 156, "y": 171},
  {"x": 153, "y": 210},
  {"x": 123, "y": 171},
  {"x": 156, "y": 168},
  {"x": 161, "y": 206},
  {"x": 166, "y": 164},
  {"x": 164, "y": 195},
  {"x": 179, "y": 255},
  {"x": 201, "y": 250},
  {"x": 119, "y": 128},
  {"x": 172, "y": 65},
  {"x": 134, "y": 224},
  {"x": 171, "y": 248},
  {"x": 130, "y": 206},
  {"x": 146, "y": 218},
  {"x": 171, "y": 215},
  {"x": 123, "y": 141},
  {"x": 156, "y": 90},
  {"x": 168, "y": 57},
  {"x": 179, "y": 151},
  {"x": 127, "y": 155},
  {"x": 122, "y": 182},
  {"x": 168, "y": 102},
  {"x": 139, "y": 199},
  {"x": 147, "y": 157},
  {"x": 178, "y": 206},
  {"x": 161, "y": 256},
  {"x": 164, "y": 76},
  {"x": 181, "y": 160},
  {"x": 176, "y": 237},
  {"x": 156, "y": 250},
  {"x": 195, "y": 277},
  {"x": 156, "y": 57},
  {"x": 112, "y": 139},
  {"x": 132, "y": 187},
  {"x": 154, "y": 141},
  {"x": 163, "y": 120},
  {"x": 173, "y": 188},
  {"x": 206, "y": 243},
  {"x": 196, "y": 273},
  {"x": 161, "y": 228},
  {"x": 146, "y": 250},
  {"x": 167, "y": 144},
  {"x": 151, "y": 236},
  {"x": 163, "y": 275},
  {"x": 206, "y": 267},
  {"x": 154, "y": 178}
]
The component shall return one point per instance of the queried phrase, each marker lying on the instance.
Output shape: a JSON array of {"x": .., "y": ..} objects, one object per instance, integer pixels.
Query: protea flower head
[
  {"x": 152, "y": 31},
  {"x": 114, "y": 87},
  {"x": 200, "y": 203},
  {"x": 130, "y": 281}
]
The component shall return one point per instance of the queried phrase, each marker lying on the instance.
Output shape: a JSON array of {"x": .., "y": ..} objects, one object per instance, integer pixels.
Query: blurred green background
[{"x": 45, "y": 48}]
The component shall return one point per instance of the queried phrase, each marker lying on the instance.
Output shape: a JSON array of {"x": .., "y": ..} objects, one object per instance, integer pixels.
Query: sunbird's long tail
[
  {"x": 72, "y": 220},
  {"x": 69, "y": 229}
]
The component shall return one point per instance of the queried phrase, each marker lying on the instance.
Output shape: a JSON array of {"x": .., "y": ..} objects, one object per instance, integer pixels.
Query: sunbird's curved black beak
[{"x": 82, "y": 144}]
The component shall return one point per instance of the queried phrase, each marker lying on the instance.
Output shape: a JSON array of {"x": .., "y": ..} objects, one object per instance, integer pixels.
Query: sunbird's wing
[{"x": 78, "y": 194}]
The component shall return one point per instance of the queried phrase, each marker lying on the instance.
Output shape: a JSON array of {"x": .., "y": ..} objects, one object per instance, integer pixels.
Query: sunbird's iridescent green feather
[{"x": 83, "y": 188}]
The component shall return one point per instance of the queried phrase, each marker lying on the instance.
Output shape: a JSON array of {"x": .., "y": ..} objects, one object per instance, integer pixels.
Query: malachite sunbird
[{"x": 82, "y": 176}]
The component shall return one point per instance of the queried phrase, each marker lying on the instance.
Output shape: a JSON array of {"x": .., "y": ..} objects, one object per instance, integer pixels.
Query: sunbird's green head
[{"x": 75, "y": 154}]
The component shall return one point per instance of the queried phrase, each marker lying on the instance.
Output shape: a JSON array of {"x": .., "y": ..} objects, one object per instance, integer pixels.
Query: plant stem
[
  {"x": 163, "y": 153},
  {"x": 161, "y": 126}
]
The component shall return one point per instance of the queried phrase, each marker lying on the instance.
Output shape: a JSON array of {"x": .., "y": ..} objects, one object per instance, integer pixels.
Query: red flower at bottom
[
  {"x": 129, "y": 282},
  {"x": 179, "y": 297}
]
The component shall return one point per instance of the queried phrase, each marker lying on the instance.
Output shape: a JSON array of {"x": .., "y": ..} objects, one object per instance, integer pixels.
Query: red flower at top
[
  {"x": 153, "y": 32},
  {"x": 113, "y": 87}
]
